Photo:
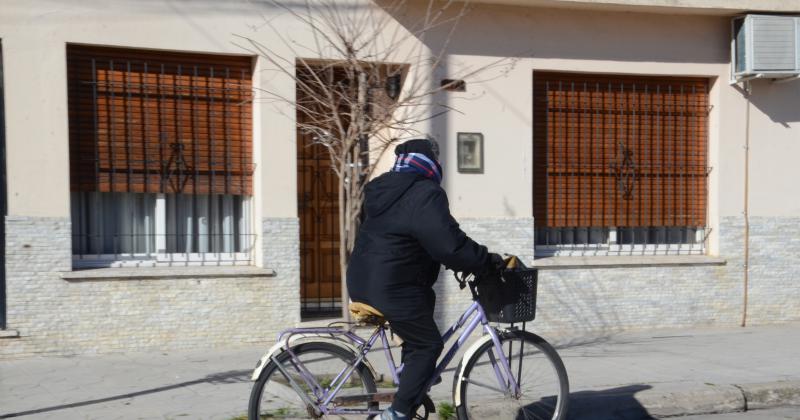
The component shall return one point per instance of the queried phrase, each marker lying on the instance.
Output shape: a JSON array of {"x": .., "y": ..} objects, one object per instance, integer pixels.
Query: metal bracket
[
  {"x": 764, "y": 76},
  {"x": 734, "y": 81},
  {"x": 787, "y": 79}
]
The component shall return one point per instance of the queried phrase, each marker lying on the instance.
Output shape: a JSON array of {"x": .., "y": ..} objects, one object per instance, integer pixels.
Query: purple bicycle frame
[{"x": 324, "y": 396}]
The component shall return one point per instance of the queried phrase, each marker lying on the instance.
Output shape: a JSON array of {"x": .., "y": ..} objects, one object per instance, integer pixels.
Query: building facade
[{"x": 154, "y": 202}]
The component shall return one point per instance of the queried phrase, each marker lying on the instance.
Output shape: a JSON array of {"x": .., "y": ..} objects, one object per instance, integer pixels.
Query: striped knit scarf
[{"x": 420, "y": 164}]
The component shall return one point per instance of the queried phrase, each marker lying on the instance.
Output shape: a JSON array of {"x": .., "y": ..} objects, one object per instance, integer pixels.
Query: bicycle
[{"x": 322, "y": 372}]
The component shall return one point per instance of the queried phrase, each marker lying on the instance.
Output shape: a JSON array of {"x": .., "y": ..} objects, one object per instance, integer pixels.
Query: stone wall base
[
  {"x": 591, "y": 302},
  {"x": 59, "y": 317}
]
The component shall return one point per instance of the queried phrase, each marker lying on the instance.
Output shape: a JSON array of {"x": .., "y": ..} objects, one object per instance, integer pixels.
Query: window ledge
[
  {"x": 561, "y": 263},
  {"x": 9, "y": 334},
  {"x": 166, "y": 273}
]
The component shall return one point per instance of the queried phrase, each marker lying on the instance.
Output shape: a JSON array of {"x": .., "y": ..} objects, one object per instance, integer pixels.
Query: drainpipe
[{"x": 746, "y": 213}]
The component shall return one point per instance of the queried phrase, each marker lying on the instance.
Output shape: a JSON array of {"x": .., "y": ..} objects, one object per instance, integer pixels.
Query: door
[{"x": 318, "y": 208}]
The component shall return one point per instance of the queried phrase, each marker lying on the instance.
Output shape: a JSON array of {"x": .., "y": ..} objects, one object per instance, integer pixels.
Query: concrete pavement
[
  {"x": 627, "y": 376},
  {"x": 781, "y": 413}
]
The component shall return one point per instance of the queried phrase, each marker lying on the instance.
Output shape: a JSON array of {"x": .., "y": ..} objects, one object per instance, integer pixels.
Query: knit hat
[{"x": 427, "y": 147}]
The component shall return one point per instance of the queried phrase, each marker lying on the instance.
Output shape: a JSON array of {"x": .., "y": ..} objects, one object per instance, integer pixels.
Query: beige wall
[
  {"x": 635, "y": 43},
  {"x": 34, "y": 35},
  {"x": 665, "y": 6},
  {"x": 774, "y": 148},
  {"x": 552, "y": 39},
  {"x": 500, "y": 106}
]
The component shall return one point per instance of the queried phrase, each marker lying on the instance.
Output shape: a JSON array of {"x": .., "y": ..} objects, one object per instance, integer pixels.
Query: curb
[
  {"x": 705, "y": 400},
  {"x": 642, "y": 401},
  {"x": 771, "y": 394}
]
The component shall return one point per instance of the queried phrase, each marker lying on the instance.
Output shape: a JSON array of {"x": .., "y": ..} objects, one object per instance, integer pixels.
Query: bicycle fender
[
  {"x": 467, "y": 355},
  {"x": 278, "y": 347},
  {"x": 262, "y": 362}
]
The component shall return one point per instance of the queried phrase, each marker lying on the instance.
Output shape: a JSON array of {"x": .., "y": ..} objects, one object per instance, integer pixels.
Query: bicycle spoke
[
  {"x": 317, "y": 368},
  {"x": 521, "y": 352},
  {"x": 540, "y": 397},
  {"x": 483, "y": 385}
]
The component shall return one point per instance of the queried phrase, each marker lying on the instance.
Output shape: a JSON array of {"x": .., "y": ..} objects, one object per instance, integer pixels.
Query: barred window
[
  {"x": 160, "y": 157},
  {"x": 620, "y": 164}
]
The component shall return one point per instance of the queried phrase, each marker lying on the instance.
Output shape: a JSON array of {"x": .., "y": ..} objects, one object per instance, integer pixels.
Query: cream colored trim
[{"x": 167, "y": 273}]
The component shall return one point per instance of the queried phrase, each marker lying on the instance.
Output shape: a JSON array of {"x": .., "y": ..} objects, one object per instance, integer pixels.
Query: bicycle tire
[
  {"x": 272, "y": 373},
  {"x": 491, "y": 406}
]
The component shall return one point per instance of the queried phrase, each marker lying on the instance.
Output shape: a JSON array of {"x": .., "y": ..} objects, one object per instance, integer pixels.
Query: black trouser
[{"x": 422, "y": 344}]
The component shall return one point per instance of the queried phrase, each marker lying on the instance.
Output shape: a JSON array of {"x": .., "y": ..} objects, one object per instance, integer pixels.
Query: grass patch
[{"x": 446, "y": 411}]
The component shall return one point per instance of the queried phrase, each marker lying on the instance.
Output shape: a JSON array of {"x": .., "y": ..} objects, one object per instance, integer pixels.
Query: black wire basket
[{"x": 511, "y": 298}]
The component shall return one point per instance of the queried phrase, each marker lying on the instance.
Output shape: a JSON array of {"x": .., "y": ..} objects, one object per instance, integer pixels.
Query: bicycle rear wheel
[
  {"x": 535, "y": 365},
  {"x": 273, "y": 397}
]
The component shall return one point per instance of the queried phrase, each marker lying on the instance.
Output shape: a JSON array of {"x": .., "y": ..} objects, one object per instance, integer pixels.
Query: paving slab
[{"x": 645, "y": 373}]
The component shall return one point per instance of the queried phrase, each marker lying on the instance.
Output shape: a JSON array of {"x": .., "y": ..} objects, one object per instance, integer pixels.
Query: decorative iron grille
[
  {"x": 153, "y": 127},
  {"x": 620, "y": 163},
  {"x": 144, "y": 121}
]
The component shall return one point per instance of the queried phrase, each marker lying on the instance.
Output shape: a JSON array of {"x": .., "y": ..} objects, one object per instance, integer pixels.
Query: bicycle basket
[{"x": 510, "y": 299}]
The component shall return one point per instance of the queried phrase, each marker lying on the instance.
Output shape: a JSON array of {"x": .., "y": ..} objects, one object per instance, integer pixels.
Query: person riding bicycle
[{"x": 406, "y": 235}]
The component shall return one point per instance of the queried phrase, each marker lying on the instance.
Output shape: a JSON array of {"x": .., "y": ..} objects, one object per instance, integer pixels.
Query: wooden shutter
[
  {"x": 619, "y": 151},
  {"x": 159, "y": 122}
]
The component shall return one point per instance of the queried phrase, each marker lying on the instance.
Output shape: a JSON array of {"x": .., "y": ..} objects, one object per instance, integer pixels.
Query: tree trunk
[
  {"x": 350, "y": 190},
  {"x": 343, "y": 253}
]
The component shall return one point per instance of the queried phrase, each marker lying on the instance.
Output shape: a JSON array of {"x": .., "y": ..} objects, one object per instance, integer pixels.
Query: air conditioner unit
[{"x": 765, "y": 46}]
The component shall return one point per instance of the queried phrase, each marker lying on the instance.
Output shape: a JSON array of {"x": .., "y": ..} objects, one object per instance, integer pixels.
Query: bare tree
[{"x": 364, "y": 76}]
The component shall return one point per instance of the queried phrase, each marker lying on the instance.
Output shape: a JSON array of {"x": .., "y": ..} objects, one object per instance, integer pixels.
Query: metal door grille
[
  {"x": 619, "y": 159},
  {"x": 318, "y": 208},
  {"x": 318, "y": 200}
]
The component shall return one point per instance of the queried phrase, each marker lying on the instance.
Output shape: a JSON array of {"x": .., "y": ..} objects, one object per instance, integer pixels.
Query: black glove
[{"x": 493, "y": 267}]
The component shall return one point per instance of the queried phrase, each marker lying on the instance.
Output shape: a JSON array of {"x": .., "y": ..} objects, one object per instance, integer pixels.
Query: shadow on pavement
[
  {"x": 232, "y": 376},
  {"x": 608, "y": 404}
]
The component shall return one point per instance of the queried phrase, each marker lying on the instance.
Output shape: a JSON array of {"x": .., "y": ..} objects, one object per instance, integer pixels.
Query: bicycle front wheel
[
  {"x": 485, "y": 392},
  {"x": 274, "y": 396}
]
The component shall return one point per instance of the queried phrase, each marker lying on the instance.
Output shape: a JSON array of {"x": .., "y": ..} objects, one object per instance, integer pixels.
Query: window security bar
[
  {"x": 153, "y": 250},
  {"x": 620, "y": 164},
  {"x": 585, "y": 241},
  {"x": 139, "y": 117},
  {"x": 161, "y": 158}
]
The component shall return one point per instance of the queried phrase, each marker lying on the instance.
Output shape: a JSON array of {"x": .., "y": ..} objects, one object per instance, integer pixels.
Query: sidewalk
[{"x": 629, "y": 376}]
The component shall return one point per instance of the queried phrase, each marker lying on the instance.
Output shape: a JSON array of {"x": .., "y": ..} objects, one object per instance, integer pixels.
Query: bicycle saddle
[{"x": 366, "y": 314}]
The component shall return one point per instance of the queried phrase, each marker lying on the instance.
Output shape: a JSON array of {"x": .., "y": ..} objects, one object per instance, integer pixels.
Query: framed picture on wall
[{"x": 470, "y": 153}]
